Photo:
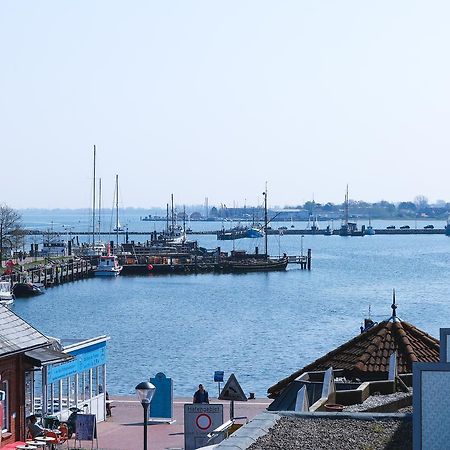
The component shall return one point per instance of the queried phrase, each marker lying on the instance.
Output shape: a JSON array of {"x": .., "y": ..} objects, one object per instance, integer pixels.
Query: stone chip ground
[{"x": 336, "y": 434}]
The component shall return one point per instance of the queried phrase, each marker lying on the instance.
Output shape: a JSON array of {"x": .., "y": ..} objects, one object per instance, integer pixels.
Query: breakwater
[{"x": 298, "y": 232}]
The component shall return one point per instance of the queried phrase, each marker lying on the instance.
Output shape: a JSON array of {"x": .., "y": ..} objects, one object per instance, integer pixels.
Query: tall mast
[
  {"x": 93, "y": 206},
  {"x": 265, "y": 220},
  {"x": 184, "y": 218},
  {"x": 117, "y": 211},
  {"x": 173, "y": 218},
  {"x": 346, "y": 206},
  {"x": 167, "y": 218},
  {"x": 99, "y": 206}
]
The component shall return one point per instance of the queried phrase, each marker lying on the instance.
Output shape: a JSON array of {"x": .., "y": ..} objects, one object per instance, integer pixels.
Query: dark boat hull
[
  {"x": 258, "y": 266},
  {"x": 27, "y": 290}
]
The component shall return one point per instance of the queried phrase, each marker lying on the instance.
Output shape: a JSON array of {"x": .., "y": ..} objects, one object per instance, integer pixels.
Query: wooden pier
[
  {"x": 54, "y": 274},
  {"x": 303, "y": 260}
]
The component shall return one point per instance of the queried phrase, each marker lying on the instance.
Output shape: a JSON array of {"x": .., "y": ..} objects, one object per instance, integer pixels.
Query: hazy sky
[{"x": 213, "y": 98}]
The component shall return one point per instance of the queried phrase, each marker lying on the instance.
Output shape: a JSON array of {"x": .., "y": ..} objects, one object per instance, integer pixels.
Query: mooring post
[{"x": 309, "y": 259}]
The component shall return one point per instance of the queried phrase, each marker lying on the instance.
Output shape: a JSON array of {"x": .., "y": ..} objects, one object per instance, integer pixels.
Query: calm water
[{"x": 262, "y": 327}]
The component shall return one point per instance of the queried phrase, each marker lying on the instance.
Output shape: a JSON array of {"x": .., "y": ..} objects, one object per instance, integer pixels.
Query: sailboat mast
[
  {"x": 117, "y": 211},
  {"x": 265, "y": 221},
  {"x": 167, "y": 218},
  {"x": 173, "y": 218},
  {"x": 93, "y": 206},
  {"x": 99, "y": 206},
  {"x": 346, "y": 206}
]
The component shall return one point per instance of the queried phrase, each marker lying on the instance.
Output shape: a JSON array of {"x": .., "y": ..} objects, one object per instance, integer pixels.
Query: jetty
[{"x": 54, "y": 273}]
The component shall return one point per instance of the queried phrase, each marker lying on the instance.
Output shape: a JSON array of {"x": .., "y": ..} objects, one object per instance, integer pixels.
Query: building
[
  {"x": 22, "y": 350},
  {"x": 366, "y": 357},
  {"x": 42, "y": 375}
]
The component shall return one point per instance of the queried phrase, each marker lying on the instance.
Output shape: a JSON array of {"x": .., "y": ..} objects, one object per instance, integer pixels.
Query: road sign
[
  {"x": 199, "y": 420},
  {"x": 218, "y": 376},
  {"x": 232, "y": 391}
]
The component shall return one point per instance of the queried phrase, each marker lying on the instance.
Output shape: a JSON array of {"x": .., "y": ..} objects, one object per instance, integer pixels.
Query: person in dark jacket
[{"x": 201, "y": 396}]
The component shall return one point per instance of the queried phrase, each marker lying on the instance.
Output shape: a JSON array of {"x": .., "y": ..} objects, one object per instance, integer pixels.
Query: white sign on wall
[{"x": 199, "y": 420}]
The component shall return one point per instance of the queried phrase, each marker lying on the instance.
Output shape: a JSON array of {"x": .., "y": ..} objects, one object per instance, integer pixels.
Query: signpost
[
  {"x": 199, "y": 420},
  {"x": 218, "y": 377},
  {"x": 232, "y": 391},
  {"x": 86, "y": 428}
]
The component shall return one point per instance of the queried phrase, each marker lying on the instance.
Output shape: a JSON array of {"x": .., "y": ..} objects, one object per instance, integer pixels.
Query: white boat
[
  {"x": 54, "y": 245},
  {"x": 370, "y": 231},
  {"x": 108, "y": 266},
  {"x": 6, "y": 293}
]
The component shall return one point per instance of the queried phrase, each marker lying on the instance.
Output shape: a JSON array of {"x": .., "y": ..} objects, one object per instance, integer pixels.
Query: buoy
[{"x": 150, "y": 267}]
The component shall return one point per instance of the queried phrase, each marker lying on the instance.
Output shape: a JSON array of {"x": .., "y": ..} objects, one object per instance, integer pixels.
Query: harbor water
[{"x": 260, "y": 326}]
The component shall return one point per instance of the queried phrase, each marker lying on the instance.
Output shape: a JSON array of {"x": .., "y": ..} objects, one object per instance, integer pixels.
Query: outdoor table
[
  {"x": 26, "y": 447},
  {"x": 46, "y": 440},
  {"x": 35, "y": 443}
]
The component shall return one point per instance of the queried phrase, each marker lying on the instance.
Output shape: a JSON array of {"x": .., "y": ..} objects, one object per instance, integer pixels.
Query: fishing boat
[
  {"x": 238, "y": 232},
  {"x": 254, "y": 232},
  {"x": 6, "y": 293},
  {"x": 258, "y": 265},
  {"x": 108, "y": 266}
]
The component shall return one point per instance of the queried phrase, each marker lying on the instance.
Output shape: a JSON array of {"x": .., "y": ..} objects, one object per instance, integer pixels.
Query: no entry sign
[{"x": 199, "y": 420}]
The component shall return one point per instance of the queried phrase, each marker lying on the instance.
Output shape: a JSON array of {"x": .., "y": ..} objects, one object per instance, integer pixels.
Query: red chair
[
  {"x": 54, "y": 436},
  {"x": 64, "y": 436}
]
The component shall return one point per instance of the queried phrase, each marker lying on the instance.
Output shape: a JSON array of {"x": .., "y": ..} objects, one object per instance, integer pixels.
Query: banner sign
[{"x": 85, "y": 359}]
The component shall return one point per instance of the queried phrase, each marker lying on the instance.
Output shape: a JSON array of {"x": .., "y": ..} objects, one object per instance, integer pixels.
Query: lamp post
[{"x": 145, "y": 391}]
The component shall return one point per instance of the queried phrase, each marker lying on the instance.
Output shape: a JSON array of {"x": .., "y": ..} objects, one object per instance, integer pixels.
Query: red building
[{"x": 23, "y": 349}]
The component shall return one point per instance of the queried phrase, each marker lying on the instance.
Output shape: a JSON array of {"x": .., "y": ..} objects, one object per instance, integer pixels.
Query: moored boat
[
  {"x": 108, "y": 266},
  {"x": 6, "y": 293},
  {"x": 258, "y": 265},
  {"x": 28, "y": 289}
]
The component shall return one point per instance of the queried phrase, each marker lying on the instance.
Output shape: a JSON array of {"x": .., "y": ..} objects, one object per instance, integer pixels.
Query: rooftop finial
[{"x": 393, "y": 306}]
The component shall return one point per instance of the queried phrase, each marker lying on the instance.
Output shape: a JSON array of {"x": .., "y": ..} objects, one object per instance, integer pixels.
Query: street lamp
[{"x": 145, "y": 391}]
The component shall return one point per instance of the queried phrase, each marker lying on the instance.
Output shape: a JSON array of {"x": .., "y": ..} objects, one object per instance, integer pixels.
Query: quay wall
[{"x": 383, "y": 231}]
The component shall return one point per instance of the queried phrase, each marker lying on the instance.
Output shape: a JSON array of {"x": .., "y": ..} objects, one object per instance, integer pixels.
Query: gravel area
[
  {"x": 336, "y": 434},
  {"x": 407, "y": 409},
  {"x": 377, "y": 400}
]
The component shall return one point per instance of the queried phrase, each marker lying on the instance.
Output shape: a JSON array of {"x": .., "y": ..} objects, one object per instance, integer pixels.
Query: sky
[{"x": 214, "y": 98}]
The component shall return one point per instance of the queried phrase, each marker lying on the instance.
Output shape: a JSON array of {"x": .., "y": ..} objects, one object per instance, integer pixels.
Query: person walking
[{"x": 201, "y": 396}]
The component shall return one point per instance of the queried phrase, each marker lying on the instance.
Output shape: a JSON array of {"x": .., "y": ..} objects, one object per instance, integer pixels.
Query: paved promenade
[{"x": 124, "y": 430}]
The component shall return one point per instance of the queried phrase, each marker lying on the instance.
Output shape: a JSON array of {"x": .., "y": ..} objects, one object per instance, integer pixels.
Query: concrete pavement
[{"x": 124, "y": 430}]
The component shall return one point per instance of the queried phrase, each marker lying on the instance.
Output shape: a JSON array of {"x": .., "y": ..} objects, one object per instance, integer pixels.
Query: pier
[{"x": 54, "y": 274}]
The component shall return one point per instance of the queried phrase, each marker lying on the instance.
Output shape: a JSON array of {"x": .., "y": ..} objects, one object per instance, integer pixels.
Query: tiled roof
[
  {"x": 367, "y": 355},
  {"x": 16, "y": 335}
]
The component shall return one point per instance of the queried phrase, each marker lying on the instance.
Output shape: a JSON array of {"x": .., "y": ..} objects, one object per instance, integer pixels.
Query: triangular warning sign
[{"x": 232, "y": 390}]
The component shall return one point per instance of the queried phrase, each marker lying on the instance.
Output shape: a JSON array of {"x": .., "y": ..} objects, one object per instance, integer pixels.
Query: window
[
  {"x": 29, "y": 393},
  {"x": 5, "y": 388}
]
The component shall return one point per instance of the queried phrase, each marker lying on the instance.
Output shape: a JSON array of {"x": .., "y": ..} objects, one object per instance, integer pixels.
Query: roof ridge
[{"x": 402, "y": 338}]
